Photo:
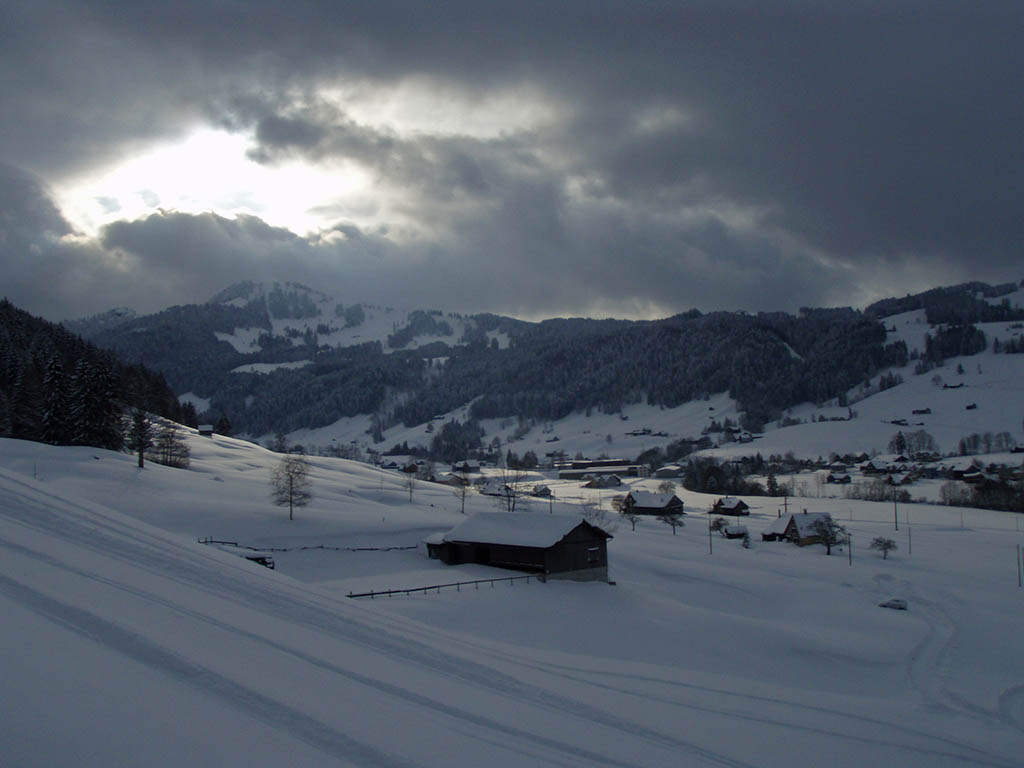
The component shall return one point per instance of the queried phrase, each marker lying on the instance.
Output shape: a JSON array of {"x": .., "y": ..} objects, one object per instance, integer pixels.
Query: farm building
[
  {"x": 797, "y": 528},
  {"x": 730, "y": 505},
  {"x": 647, "y": 503},
  {"x": 558, "y": 546},
  {"x": 669, "y": 470}
]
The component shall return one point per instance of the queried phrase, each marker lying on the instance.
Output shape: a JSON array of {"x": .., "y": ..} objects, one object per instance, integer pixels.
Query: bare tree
[
  {"x": 461, "y": 491},
  {"x": 171, "y": 448},
  {"x": 666, "y": 486},
  {"x": 883, "y": 545},
  {"x": 596, "y": 516},
  {"x": 410, "y": 482},
  {"x": 510, "y": 479},
  {"x": 829, "y": 532},
  {"x": 290, "y": 484},
  {"x": 675, "y": 519},
  {"x": 628, "y": 513}
]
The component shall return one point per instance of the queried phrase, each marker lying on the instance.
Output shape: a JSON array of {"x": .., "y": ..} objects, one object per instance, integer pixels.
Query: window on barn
[{"x": 593, "y": 554}]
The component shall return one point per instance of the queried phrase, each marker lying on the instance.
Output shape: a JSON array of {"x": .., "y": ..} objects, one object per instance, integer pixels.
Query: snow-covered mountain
[{"x": 283, "y": 357}]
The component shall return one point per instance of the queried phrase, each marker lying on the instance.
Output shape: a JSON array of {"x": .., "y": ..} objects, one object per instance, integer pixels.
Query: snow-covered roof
[
  {"x": 651, "y": 500},
  {"x": 779, "y": 525},
  {"x": 805, "y": 522},
  {"x": 729, "y": 502},
  {"x": 524, "y": 530}
]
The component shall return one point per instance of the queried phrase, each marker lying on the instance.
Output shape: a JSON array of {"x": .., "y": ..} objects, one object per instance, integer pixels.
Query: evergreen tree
[
  {"x": 140, "y": 434},
  {"x": 56, "y": 421},
  {"x": 94, "y": 413}
]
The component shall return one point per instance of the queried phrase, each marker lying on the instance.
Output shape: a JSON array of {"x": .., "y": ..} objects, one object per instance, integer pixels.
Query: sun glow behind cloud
[{"x": 209, "y": 171}]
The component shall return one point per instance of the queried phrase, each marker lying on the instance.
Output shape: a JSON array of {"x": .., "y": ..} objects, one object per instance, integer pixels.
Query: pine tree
[
  {"x": 140, "y": 434},
  {"x": 56, "y": 421}
]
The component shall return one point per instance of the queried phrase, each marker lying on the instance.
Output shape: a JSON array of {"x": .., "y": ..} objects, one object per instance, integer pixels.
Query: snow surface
[
  {"x": 125, "y": 642},
  {"x": 269, "y": 367}
]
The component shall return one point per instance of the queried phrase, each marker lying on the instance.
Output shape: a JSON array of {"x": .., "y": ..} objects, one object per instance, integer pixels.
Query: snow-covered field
[{"x": 125, "y": 642}]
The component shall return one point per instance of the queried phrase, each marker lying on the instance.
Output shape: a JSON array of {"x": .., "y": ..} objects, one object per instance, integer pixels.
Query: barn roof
[{"x": 522, "y": 530}]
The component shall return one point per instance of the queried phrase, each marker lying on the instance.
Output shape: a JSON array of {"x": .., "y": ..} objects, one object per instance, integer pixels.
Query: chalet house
[
  {"x": 556, "y": 546},
  {"x": 797, "y": 528},
  {"x": 604, "y": 481},
  {"x": 466, "y": 466},
  {"x": 730, "y": 505},
  {"x": 838, "y": 479},
  {"x": 646, "y": 503},
  {"x": 497, "y": 488},
  {"x": 541, "y": 492},
  {"x": 205, "y": 430}
]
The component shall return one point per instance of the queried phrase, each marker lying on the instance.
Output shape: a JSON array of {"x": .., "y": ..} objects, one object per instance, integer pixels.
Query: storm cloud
[{"x": 530, "y": 158}]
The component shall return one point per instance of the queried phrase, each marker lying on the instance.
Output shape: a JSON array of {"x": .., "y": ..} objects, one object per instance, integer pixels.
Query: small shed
[
  {"x": 205, "y": 430},
  {"x": 558, "y": 546},
  {"x": 777, "y": 530},
  {"x": 730, "y": 505},
  {"x": 647, "y": 503},
  {"x": 734, "y": 531}
]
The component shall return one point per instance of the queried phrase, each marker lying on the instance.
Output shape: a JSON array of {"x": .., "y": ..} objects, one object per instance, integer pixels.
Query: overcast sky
[{"x": 528, "y": 158}]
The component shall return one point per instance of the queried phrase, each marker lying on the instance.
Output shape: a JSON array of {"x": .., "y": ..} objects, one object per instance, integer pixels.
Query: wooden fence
[
  {"x": 209, "y": 540},
  {"x": 438, "y": 587}
]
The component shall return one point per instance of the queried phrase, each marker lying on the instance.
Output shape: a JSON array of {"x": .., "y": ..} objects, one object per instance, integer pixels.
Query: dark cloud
[{"x": 759, "y": 155}]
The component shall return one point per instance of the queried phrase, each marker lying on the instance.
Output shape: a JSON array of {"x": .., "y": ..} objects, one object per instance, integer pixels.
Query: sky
[{"x": 527, "y": 158}]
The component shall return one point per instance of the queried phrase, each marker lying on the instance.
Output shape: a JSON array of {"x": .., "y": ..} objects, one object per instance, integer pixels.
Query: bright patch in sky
[{"x": 209, "y": 171}]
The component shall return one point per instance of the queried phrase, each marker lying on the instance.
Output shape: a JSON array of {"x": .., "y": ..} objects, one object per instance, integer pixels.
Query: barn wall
[{"x": 580, "y": 550}]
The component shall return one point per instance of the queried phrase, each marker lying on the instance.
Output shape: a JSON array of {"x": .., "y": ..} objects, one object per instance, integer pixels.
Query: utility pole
[
  {"x": 849, "y": 548},
  {"x": 895, "y": 516},
  {"x": 711, "y": 546}
]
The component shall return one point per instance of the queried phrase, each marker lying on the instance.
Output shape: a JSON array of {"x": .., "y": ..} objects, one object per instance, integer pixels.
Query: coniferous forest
[{"x": 57, "y": 388}]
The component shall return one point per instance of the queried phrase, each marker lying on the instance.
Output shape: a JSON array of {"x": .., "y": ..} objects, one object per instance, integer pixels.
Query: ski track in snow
[
  {"x": 487, "y": 667},
  {"x": 84, "y": 528},
  {"x": 844, "y": 724}
]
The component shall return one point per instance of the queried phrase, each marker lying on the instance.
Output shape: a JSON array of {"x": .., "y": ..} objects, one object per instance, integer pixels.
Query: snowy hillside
[
  {"x": 306, "y": 311},
  {"x": 127, "y": 643}
]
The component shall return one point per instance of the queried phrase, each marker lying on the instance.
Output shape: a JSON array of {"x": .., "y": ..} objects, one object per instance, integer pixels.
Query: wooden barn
[
  {"x": 730, "y": 505},
  {"x": 646, "y": 503},
  {"x": 558, "y": 546}
]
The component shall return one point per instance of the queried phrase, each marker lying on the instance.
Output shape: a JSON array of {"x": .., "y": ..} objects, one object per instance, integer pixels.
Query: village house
[
  {"x": 555, "y": 546},
  {"x": 797, "y": 528},
  {"x": 730, "y": 505},
  {"x": 647, "y": 503}
]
